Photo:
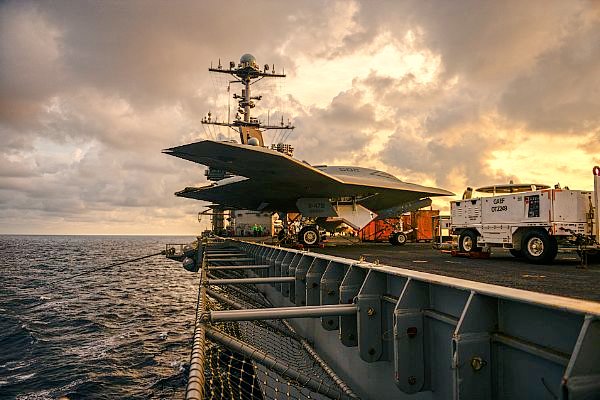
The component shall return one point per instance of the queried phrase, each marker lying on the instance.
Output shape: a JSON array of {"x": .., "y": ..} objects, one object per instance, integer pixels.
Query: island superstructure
[{"x": 250, "y": 129}]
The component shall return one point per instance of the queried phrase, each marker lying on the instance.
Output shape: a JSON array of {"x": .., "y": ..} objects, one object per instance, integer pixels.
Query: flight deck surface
[{"x": 562, "y": 278}]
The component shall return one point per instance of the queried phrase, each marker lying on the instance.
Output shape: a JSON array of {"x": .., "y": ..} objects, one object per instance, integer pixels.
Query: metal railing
[
  {"x": 443, "y": 337},
  {"x": 195, "y": 385}
]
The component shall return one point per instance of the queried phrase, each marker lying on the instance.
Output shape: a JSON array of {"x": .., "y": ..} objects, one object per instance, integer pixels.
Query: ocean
[{"x": 119, "y": 333}]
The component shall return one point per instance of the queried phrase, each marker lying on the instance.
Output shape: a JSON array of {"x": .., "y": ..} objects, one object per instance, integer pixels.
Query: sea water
[{"x": 123, "y": 332}]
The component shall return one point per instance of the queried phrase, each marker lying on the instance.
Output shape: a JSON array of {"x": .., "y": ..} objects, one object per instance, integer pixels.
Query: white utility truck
[{"x": 532, "y": 221}]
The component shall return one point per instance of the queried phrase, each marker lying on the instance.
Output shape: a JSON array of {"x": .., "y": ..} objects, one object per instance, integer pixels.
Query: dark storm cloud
[{"x": 562, "y": 93}]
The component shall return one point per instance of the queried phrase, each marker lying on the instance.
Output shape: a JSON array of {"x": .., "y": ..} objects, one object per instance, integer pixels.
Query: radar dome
[
  {"x": 253, "y": 141},
  {"x": 248, "y": 60}
]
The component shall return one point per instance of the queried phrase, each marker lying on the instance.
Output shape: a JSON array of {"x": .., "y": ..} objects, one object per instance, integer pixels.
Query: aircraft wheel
[
  {"x": 309, "y": 235},
  {"x": 467, "y": 241},
  {"x": 538, "y": 247},
  {"x": 392, "y": 239}
]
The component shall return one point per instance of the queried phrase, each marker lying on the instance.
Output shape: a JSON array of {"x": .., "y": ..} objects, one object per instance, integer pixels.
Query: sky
[{"x": 442, "y": 93}]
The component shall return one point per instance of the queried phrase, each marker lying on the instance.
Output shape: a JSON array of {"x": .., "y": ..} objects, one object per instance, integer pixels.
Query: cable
[{"x": 107, "y": 267}]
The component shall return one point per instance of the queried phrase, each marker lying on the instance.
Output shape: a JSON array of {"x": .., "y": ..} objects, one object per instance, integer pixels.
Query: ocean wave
[{"x": 103, "y": 333}]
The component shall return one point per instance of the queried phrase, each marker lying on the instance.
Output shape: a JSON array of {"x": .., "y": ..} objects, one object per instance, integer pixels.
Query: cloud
[
  {"x": 560, "y": 94},
  {"x": 90, "y": 92},
  {"x": 487, "y": 40},
  {"x": 504, "y": 73},
  {"x": 463, "y": 161},
  {"x": 340, "y": 131}
]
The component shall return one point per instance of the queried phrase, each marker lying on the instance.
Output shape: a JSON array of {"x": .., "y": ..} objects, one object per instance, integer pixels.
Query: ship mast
[{"x": 247, "y": 72}]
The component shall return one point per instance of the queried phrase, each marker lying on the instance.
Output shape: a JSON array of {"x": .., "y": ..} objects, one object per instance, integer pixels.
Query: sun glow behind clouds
[
  {"x": 399, "y": 63},
  {"x": 546, "y": 159},
  {"x": 317, "y": 81}
]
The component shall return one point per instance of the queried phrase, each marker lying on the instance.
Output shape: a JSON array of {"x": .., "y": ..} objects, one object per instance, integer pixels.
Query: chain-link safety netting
[{"x": 259, "y": 359}]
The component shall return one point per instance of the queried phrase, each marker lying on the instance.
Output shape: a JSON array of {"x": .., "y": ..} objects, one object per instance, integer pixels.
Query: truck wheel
[
  {"x": 309, "y": 235},
  {"x": 401, "y": 238},
  {"x": 398, "y": 239},
  {"x": 467, "y": 241},
  {"x": 538, "y": 247},
  {"x": 516, "y": 253}
]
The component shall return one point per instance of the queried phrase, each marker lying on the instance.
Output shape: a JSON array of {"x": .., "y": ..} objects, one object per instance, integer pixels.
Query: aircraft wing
[
  {"x": 276, "y": 181},
  {"x": 244, "y": 194},
  {"x": 252, "y": 162}
]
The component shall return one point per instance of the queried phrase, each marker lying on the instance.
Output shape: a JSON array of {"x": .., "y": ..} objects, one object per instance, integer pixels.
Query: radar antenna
[{"x": 247, "y": 72}]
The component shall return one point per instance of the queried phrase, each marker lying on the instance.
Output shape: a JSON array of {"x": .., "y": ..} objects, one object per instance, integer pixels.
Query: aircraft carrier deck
[
  {"x": 377, "y": 321},
  {"x": 564, "y": 277}
]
